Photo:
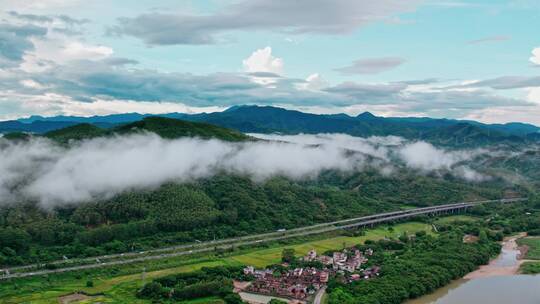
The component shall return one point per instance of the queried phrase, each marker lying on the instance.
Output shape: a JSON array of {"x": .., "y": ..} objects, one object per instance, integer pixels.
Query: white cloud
[
  {"x": 262, "y": 60},
  {"x": 50, "y": 104},
  {"x": 534, "y": 95},
  {"x": 373, "y": 146},
  {"x": 386, "y": 150},
  {"x": 535, "y": 58},
  {"x": 428, "y": 158},
  {"x": 314, "y": 82},
  {"x": 372, "y": 65},
  {"x": 76, "y": 50},
  {"x": 32, "y": 84},
  {"x": 39, "y": 4},
  {"x": 60, "y": 49},
  {"x": 422, "y": 155},
  {"x": 529, "y": 114},
  {"x": 104, "y": 107},
  {"x": 103, "y": 167},
  {"x": 292, "y": 17}
]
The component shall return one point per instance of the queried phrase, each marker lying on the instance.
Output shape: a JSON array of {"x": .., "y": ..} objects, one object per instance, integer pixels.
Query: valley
[
  {"x": 269, "y": 152},
  {"x": 118, "y": 237}
]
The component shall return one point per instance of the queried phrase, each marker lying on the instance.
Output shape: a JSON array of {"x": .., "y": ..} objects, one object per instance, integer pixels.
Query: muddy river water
[{"x": 495, "y": 283}]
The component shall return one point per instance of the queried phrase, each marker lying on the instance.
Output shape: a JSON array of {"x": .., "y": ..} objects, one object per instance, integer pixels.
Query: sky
[{"x": 440, "y": 58}]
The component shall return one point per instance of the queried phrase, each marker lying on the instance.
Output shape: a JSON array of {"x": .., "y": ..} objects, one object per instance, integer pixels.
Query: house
[
  {"x": 355, "y": 277},
  {"x": 249, "y": 270},
  {"x": 312, "y": 254},
  {"x": 326, "y": 260},
  {"x": 339, "y": 257},
  {"x": 323, "y": 277},
  {"x": 372, "y": 272},
  {"x": 297, "y": 283}
]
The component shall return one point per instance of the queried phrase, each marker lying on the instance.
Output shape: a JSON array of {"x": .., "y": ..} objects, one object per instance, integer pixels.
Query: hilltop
[
  {"x": 174, "y": 128},
  {"x": 267, "y": 119},
  {"x": 165, "y": 127}
]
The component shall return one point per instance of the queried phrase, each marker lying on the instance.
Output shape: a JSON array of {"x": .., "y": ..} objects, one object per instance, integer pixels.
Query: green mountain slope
[
  {"x": 175, "y": 128},
  {"x": 221, "y": 206},
  {"x": 465, "y": 134},
  {"x": 164, "y": 127},
  {"x": 76, "y": 132},
  {"x": 267, "y": 119}
]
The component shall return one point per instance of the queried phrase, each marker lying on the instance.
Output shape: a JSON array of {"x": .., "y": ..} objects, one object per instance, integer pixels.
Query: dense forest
[
  {"x": 164, "y": 127},
  {"x": 215, "y": 281},
  {"x": 219, "y": 207},
  {"x": 216, "y": 207},
  {"x": 424, "y": 263},
  {"x": 411, "y": 265}
]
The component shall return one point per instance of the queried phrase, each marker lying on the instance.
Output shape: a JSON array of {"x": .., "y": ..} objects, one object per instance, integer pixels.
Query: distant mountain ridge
[
  {"x": 162, "y": 126},
  {"x": 268, "y": 119}
]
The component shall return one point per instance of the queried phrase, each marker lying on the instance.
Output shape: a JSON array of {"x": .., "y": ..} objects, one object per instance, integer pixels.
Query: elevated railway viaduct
[{"x": 188, "y": 249}]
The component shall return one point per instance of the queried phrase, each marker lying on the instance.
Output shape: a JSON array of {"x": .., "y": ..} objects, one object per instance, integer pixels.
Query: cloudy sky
[{"x": 441, "y": 58}]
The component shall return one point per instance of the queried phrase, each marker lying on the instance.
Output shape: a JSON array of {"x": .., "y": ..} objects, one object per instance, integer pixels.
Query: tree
[
  {"x": 233, "y": 298},
  {"x": 483, "y": 237},
  {"x": 404, "y": 237},
  {"x": 14, "y": 238},
  {"x": 151, "y": 290},
  {"x": 287, "y": 255}
]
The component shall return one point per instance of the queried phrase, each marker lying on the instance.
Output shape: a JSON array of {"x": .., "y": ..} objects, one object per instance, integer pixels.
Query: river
[{"x": 495, "y": 283}]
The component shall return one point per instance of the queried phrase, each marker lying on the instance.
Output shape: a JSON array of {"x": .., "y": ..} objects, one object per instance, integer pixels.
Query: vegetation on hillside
[
  {"x": 165, "y": 127},
  {"x": 424, "y": 264},
  {"x": 219, "y": 207},
  {"x": 76, "y": 132},
  {"x": 207, "y": 282},
  {"x": 120, "y": 283},
  {"x": 175, "y": 128},
  {"x": 266, "y": 119}
]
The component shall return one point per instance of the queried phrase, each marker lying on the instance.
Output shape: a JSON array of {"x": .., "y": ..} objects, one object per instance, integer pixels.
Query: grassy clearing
[
  {"x": 119, "y": 286},
  {"x": 530, "y": 268},
  {"x": 455, "y": 218},
  {"x": 261, "y": 258},
  {"x": 534, "y": 247},
  {"x": 324, "y": 299}
]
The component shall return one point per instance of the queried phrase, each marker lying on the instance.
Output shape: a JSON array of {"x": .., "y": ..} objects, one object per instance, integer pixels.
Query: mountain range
[{"x": 267, "y": 119}]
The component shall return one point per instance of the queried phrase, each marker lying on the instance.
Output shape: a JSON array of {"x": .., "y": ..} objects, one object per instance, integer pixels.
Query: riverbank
[
  {"x": 507, "y": 263},
  {"x": 499, "y": 282}
]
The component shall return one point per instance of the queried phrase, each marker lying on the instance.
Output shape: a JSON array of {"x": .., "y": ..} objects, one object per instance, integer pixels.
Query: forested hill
[
  {"x": 271, "y": 119},
  {"x": 164, "y": 127},
  {"x": 437, "y": 131},
  {"x": 174, "y": 128}
]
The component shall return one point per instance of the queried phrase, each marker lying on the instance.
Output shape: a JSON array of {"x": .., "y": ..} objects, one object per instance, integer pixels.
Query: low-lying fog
[{"x": 103, "y": 167}]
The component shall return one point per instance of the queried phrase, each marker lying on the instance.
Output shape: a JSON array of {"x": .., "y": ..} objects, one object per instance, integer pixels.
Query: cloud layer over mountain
[{"x": 103, "y": 167}]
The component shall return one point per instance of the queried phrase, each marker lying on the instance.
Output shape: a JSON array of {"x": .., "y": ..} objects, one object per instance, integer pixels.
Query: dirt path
[
  {"x": 319, "y": 296},
  {"x": 73, "y": 298},
  {"x": 498, "y": 266}
]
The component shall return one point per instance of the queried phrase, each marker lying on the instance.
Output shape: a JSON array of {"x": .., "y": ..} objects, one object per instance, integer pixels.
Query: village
[{"x": 301, "y": 283}]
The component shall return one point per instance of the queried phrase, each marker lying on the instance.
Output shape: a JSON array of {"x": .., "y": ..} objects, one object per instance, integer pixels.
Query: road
[
  {"x": 319, "y": 295},
  {"x": 133, "y": 257}
]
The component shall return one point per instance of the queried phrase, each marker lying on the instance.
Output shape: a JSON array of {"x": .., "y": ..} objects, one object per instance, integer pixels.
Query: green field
[
  {"x": 530, "y": 268},
  {"x": 534, "y": 247},
  {"x": 455, "y": 218},
  {"x": 111, "y": 288}
]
